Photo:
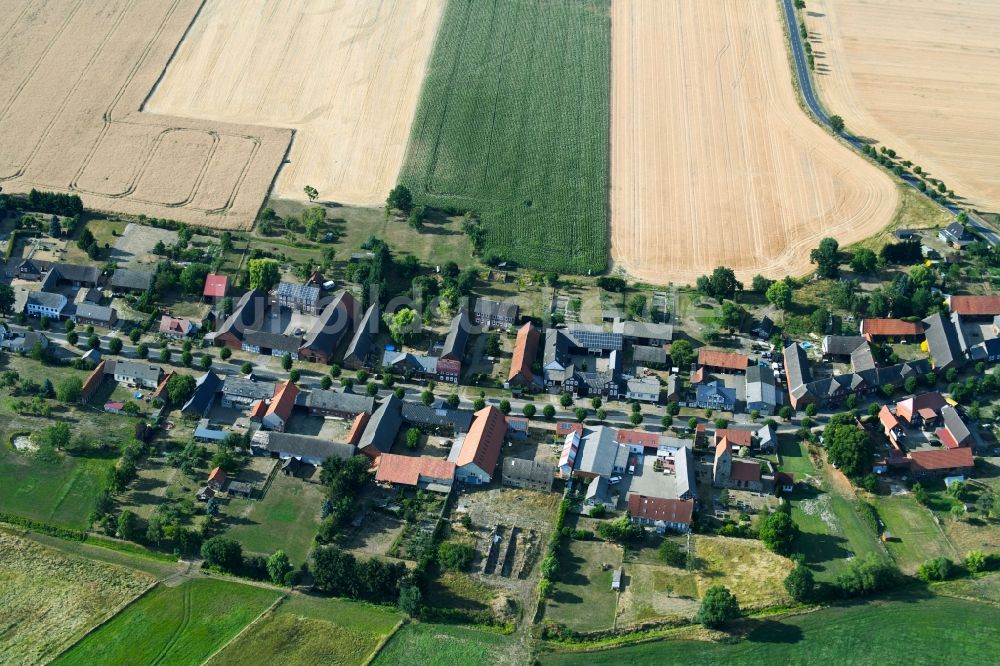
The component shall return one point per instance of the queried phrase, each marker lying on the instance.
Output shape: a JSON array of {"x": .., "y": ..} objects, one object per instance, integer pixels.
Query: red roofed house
[
  {"x": 729, "y": 473},
  {"x": 638, "y": 440},
  {"x": 476, "y": 456},
  {"x": 975, "y": 307},
  {"x": 922, "y": 410},
  {"x": 217, "y": 478},
  {"x": 663, "y": 514},
  {"x": 564, "y": 428},
  {"x": 738, "y": 438},
  {"x": 357, "y": 428},
  {"x": 216, "y": 286},
  {"x": 525, "y": 350},
  {"x": 719, "y": 361},
  {"x": 93, "y": 382},
  {"x": 280, "y": 410},
  {"x": 876, "y": 330},
  {"x": 400, "y": 470},
  {"x": 941, "y": 462},
  {"x": 161, "y": 391},
  {"x": 176, "y": 328},
  {"x": 257, "y": 410}
]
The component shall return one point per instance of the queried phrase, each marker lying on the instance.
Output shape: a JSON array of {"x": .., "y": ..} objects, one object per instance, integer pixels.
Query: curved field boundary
[{"x": 815, "y": 107}]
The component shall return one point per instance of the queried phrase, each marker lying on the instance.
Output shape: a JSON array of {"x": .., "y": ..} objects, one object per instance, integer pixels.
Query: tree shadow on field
[{"x": 770, "y": 631}]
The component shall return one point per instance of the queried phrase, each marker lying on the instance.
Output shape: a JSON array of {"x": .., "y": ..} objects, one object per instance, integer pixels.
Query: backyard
[
  {"x": 287, "y": 518},
  {"x": 582, "y": 598}
]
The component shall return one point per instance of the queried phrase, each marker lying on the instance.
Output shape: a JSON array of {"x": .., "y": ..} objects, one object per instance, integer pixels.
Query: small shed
[
  {"x": 205, "y": 494},
  {"x": 240, "y": 489},
  {"x": 616, "y": 579}
]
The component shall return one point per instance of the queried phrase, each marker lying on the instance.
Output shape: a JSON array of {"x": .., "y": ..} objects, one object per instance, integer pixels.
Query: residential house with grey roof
[
  {"x": 358, "y": 353},
  {"x": 494, "y": 314},
  {"x": 46, "y": 304},
  {"x": 330, "y": 327},
  {"x": 382, "y": 428},
  {"x": 760, "y": 391},
  {"x": 942, "y": 342},
  {"x": 125, "y": 280},
  {"x": 133, "y": 373},
  {"x": 600, "y": 453},
  {"x": 344, "y": 405},
  {"x": 298, "y": 297}
]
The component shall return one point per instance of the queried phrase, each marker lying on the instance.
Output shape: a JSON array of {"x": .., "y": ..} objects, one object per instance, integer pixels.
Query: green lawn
[
  {"x": 174, "y": 625},
  {"x": 513, "y": 123},
  {"x": 286, "y": 518},
  {"x": 446, "y": 645},
  {"x": 930, "y": 630},
  {"x": 795, "y": 458},
  {"x": 915, "y": 537},
  {"x": 582, "y": 598},
  {"x": 62, "y": 492},
  {"x": 310, "y": 630}
]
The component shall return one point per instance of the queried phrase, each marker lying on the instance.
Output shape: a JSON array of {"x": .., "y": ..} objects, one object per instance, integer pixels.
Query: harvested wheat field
[
  {"x": 48, "y": 599},
  {"x": 921, "y": 77},
  {"x": 345, "y": 75},
  {"x": 713, "y": 162},
  {"x": 73, "y": 78}
]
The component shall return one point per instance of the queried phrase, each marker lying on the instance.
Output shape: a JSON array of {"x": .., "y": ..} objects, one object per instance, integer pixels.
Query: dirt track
[
  {"x": 713, "y": 162},
  {"x": 920, "y": 76},
  {"x": 345, "y": 74},
  {"x": 73, "y": 76}
]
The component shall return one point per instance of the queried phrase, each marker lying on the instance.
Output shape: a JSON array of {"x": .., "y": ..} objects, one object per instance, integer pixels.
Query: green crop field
[
  {"x": 513, "y": 123},
  {"x": 312, "y": 630},
  {"x": 446, "y": 645},
  {"x": 174, "y": 625},
  {"x": 286, "y": 518},
  {"x": 907, "y": 631}
]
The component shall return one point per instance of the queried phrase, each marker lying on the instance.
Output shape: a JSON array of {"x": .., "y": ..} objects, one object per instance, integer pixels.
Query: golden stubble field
[
  {"x": 712, "y": 161},
  {"x": 344, "y": 74},
  {"x": 73, "y": 78},
  {"x": 48, "y": 599},
  {"x": 920, "y": 76}
]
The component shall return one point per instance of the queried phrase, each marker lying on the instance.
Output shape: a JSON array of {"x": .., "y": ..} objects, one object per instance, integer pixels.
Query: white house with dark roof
[{"x": 46, "y": 304}]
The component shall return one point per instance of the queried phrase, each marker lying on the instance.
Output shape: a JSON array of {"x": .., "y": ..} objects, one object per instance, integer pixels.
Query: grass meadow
[
  {"x": 312, "y": 630},
  {"x": 513, "y": 123},
  {"x": 915, "y": 536},
  {"x": 48, "y": 599},
  {"x": 446, "y": 645},
  {"x": 174, "y": 625},
  {"x": 582, "y": 598},
  {"x": 880, "y": 632}
]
